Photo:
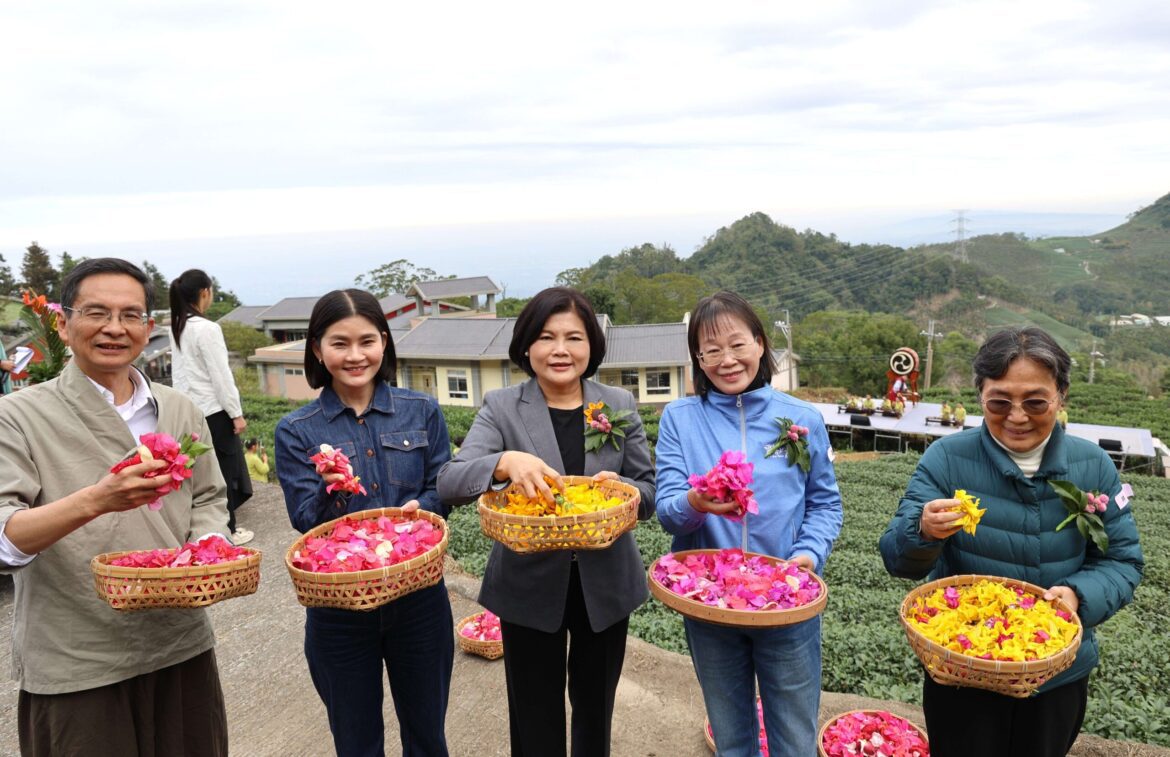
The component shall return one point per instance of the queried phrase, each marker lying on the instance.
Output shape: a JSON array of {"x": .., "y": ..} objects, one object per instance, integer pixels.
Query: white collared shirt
[{"x": 141, "y": 415}]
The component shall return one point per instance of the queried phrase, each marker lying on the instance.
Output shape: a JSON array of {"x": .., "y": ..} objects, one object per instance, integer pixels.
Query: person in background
[
  {"x": 960, "y": 415},
  {"x": 1022, "y": 376},
  {"x": 735, "y": 408},
  {"x": 1062, "y": 416},
  {"x": 397, "y": 441},
  {"x": 6, "y": 368},
  {"x": 529, "y": 435},
  {"x": 93, "y": 680},
  {"x": 201, "y": 371},
  {"x": 257, "y": 459}
]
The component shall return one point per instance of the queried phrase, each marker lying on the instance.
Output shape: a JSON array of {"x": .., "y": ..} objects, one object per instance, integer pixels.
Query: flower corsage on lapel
[
  {"x": 603, "y": 424},
  {"x": 1084, "y": 509},
  {"x": 793, "y": 440}
]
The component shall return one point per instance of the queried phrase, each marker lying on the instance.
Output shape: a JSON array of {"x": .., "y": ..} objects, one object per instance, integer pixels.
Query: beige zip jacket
[{"x": 59, "y": 437}]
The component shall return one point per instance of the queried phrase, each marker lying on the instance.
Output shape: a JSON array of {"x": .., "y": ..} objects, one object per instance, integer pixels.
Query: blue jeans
[
  {"x": 786, "y": 663},
  {"x": 346, "y": 649}
]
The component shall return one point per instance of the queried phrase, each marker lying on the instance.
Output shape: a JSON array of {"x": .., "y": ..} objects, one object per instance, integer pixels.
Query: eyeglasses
[
  {"x": 712, "y": 358},
  {"x": 1030, "y": 406},
  {"x": 100, "y": 316}
]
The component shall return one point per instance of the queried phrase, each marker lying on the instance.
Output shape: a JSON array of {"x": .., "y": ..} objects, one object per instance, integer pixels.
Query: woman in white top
[{"x": 200, "y": 370}]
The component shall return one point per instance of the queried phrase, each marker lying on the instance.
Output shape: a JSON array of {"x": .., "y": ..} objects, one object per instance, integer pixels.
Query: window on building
[
  {"x": 294, "y": 371},
  {"x": 657, "y": 381},
  {"x": 457, "y": 384},
  {"x": 629, "y": 378}
]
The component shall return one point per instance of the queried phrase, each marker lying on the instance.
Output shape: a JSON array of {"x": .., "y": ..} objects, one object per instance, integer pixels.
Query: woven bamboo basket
[
  {"x": 368, "y": 589},
  {"x": 190, "y": 586},
  {"x": 543, "y": 533},
  {"x": 727, "y": 617},
  {"x": 1014, "y": 679},
  {"x": 492, "y": 650},
  {"x": 821, "y": 733}
]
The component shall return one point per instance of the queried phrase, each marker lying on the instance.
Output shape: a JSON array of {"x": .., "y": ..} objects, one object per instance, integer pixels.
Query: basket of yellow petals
[
  {"x": 989, "y": 632},
  {"x": 586, "y": 514}
]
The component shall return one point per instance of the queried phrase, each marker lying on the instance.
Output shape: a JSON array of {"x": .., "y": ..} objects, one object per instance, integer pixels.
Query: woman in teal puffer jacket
[{"x": 1022, "y": 376}]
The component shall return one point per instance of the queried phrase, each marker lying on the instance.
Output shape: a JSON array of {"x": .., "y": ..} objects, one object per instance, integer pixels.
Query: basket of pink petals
[
  {"x": 871, "y": 732},
  {"x": 195, "y": 574},
  {"x": 480, "y": 634},
  {"x": 731, "y": 587},
  {"x": 364, "y": 560}
]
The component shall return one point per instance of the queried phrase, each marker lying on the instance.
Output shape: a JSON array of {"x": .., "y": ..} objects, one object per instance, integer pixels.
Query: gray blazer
[{"x": 531, "y": 589}]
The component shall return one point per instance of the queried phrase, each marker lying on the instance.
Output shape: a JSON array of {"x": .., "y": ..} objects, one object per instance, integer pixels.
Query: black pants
[
  {"x": 965, "y": 721},
  {"x": 229, "y": 452},
  {"x": 534, "y": 663}
]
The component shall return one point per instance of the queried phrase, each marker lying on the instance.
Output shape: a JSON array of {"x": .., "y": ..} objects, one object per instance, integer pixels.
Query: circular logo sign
[{"x": 904, "y": 361}]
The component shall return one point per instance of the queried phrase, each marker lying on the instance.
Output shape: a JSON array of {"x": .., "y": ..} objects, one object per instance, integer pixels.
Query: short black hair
[
  {"x": 250, "y": 443},
  {"x": 706, "y": 314},
  {"x": 336, "y": 306},
  {"x": 97, "y": 266},
  {"x": 1005, "y": 347},
  {"x": 544, "y": 305}
]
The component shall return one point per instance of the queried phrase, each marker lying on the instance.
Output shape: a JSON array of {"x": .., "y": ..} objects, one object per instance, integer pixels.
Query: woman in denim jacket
[{"x": 396, "y": 440}]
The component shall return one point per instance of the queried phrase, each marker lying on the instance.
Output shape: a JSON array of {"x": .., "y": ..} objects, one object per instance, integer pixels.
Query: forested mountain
[{"x": 1068, "y": 286}]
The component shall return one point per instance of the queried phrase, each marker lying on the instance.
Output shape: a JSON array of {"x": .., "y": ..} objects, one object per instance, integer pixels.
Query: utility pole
[
  {"x": 930, "y": 335},
  {"x": 786, "y": 327},
  {"x": 961, "y": 235},
  {"x": 1093, "y": 355}
]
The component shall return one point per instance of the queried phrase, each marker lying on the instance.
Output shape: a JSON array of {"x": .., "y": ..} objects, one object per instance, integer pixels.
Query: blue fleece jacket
[{"x": 800, "y": 513}]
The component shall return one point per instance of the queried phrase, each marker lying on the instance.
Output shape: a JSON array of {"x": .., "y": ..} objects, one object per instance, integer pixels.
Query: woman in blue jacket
[
  {"x": 1022, "y": 376},
  {"x": 396, "y": 441},
  {"x": 736, "y": 409}
]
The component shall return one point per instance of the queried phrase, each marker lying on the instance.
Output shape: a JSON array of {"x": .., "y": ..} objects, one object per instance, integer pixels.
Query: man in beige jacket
[{"x": 94, "y": 680}]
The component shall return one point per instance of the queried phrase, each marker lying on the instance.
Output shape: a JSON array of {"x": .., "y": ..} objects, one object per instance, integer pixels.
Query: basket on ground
[
  {"x": 729, "y": 617},
  {"x": 949, "y": 668},
  {"x": 829, "y": 723},
  {"x": 368, "y": 589},
  {"x": 124, "y": 588},
  {"x": 542, "y": 533},
  {"x": 492, "y": 649}
]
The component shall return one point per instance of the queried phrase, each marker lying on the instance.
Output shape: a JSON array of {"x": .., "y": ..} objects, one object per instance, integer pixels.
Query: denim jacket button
[
  {"x": 369, "y": 453},
  {"x": 405, "y": 442}
]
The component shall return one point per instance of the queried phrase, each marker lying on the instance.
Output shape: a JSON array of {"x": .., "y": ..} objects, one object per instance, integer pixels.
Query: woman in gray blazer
[{"x": 522, "y": 435}]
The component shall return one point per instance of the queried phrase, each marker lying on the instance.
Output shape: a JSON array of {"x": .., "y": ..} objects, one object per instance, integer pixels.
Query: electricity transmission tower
[{"x": 961, "y": 235}]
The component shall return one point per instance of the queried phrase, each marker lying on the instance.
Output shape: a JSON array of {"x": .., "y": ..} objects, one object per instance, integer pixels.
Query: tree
[
  {"x": 37, "y": 272},
  {"x": 223, "y": 301},
  {"x": 243, "y": 340},
  {"x": 510, "y": 307},
  {"x": 852, "y": 349},
  {"x": 158, "y": 282},
  {"x": 68, "y": 263},
  {"x": 7, "y": 283},
  {"x": 395, "y": 278}
]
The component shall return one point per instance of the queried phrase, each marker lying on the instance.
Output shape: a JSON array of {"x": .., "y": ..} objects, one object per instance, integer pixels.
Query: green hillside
[{"x": 1122, "y": 270}]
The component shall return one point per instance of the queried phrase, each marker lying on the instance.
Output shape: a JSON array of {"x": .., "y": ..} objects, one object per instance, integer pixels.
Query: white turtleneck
[{"x": 1029, "y": 462}]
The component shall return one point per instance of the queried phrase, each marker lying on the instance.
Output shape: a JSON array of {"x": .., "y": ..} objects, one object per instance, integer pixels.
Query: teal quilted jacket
[{"x": 1016, "y": 536}]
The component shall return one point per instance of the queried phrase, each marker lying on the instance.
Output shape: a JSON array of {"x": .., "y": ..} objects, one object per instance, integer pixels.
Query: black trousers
[
  {"x": 229, "y": 453},
  {"x": 965, "y": 721},
  {"x": 535, "y": 667}
]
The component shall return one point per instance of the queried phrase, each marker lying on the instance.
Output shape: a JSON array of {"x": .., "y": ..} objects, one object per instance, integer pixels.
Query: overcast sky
[{"x": 261, "y": 139}]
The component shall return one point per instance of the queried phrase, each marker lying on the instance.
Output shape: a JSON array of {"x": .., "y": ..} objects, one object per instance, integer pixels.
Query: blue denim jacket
[{"x": 397, "y": 447}]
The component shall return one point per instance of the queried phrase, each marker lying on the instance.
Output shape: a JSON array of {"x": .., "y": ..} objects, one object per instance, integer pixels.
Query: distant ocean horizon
[{"x": 523, "y": 258}]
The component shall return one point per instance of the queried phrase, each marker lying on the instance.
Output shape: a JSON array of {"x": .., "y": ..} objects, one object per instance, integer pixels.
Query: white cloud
[{"x": 140, "y": 120}]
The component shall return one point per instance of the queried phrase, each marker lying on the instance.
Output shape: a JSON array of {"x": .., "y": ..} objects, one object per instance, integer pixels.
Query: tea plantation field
[{"x": 865, "y": 649}]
